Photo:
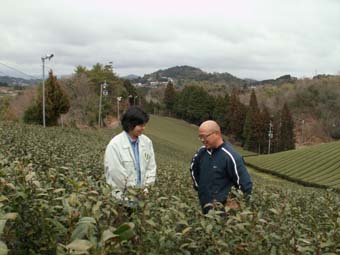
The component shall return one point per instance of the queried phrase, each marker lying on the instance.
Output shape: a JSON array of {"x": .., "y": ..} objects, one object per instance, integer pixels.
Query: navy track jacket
[{"x": 215, "y": 171}]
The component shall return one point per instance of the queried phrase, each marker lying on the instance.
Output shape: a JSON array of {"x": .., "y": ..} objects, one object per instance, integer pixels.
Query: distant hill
[
  {"x": 321, "y": 76},
  {"x": 278, "y": 81},
  {"x": 14, "y": 81},
  {"x": 181, "y": 75}
]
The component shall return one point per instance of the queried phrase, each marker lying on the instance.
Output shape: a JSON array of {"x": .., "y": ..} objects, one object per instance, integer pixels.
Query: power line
[{"x": 18, "y": 71}]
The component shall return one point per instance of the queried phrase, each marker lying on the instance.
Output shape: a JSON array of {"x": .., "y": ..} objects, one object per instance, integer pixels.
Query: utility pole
[
  {"x": 43, "y": 84},
  {"x": 102, "y": 91},
  {"x": 118, "y": 100},
  {"x": 270, "y": 135},
  {"x": 130, "y": 98},
  {"x": 302, "y": 129}
]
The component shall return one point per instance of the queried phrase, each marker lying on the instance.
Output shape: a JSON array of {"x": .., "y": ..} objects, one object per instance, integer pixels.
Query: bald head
[
  {"x": 210, "y": 134},
  {"x": 210, "y": 126}
]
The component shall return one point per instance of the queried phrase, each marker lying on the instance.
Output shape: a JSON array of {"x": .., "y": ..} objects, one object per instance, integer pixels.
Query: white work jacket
[{"x": 120, "y": 163}]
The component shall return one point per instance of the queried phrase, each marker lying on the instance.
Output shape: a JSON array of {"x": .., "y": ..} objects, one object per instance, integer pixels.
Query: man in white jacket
[{"x": 129, "y": 157}]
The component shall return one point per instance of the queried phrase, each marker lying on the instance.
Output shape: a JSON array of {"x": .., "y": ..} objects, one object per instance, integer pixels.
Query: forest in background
[{"x": 313, "y": 105}]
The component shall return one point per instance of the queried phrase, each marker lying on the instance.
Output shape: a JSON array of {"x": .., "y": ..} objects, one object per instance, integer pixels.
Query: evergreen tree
[
  {"x": 169, "y": 97},
  {"x": 115, "y": 88},
  {"x": 265, "y": 124},
  {"x": 99, "y": 73},
  {"x": 131, "y": 91},
  {"x": 33, "y": 114},
  {"x": 287, "y": 138},
  {"x": 199, "y": 106},
  {"x": 194, "y": 104},
  {"x": 221, "y": 112},
  {"x": 275, "y": 141},
  {"x": 226, "y": 128},
  {"x": 56, "y": 103},
  {"x": 234, "y": 104},
  {"x": 80, "y": 69},
  {"x": 237, "y": 115},
  {"x": 252, "y": 125},
  {"x": 180, "y": 106}
]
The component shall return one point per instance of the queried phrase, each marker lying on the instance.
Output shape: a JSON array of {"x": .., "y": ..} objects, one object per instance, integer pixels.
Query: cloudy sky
[{"x": 257, "y": 39}]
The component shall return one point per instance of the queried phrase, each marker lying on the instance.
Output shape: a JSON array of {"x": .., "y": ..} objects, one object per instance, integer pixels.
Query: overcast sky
[{"x": 248, "y": 38}]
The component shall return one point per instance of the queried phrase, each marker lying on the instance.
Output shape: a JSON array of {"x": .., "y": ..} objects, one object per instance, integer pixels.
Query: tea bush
[{"x": 54, "y": 200}]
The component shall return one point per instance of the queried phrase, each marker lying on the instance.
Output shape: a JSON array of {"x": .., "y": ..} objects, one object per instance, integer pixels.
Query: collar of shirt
[{"x": 130, "y": 139}]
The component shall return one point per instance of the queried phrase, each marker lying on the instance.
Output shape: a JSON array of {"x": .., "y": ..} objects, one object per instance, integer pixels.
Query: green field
[
  {"x": 317, "y": 165},
  {"x": 53, "y": 199},
  {"x": 178, "y": 134}
]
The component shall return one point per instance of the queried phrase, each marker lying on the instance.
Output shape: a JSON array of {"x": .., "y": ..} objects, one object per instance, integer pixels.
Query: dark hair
[{"x": 133, "y": 117}]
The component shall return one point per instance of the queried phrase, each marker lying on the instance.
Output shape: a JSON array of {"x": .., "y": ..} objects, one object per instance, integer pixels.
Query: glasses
[{"x": 204, "y": 137}]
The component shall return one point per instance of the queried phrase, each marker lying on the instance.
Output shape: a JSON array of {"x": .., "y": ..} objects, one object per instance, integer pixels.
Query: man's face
[
  {"x": 138, "y": 130},
  {"x": 207, "y": 137}
]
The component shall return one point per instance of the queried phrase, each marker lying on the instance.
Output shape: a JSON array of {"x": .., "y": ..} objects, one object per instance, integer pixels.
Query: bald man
[{"x": 216, "y": 167}]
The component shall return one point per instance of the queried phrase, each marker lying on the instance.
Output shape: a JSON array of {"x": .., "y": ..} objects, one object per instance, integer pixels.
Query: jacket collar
[
  {"x": 211, "y": 151},
  {"x": 126, "y": 144}
]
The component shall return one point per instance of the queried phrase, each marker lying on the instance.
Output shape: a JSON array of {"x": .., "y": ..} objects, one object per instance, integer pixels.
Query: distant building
[{"x": 152, "y": 83}]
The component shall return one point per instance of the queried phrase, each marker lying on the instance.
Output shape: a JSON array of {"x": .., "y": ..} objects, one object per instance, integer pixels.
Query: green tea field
[
  {"x": 54, "y": 200},
  {"x": 318, "y": 165}
]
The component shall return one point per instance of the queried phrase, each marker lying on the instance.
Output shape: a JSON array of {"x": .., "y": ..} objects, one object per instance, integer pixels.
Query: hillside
[
  {"x": 314, "y": 104},
  {"x": 317, "y": 165},
  {"x": 182, "y": 75},
  {"x": 278, "y": 81},
  {"x": 14, "y": 81},
  {"x": 53, "y": 193},
  {"x": 179, "y": 134}
]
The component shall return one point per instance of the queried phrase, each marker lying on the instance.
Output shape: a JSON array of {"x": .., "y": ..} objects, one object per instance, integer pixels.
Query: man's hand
[
  {"x": 232, "y": 204},
  {"x": 146, "y": 191}
]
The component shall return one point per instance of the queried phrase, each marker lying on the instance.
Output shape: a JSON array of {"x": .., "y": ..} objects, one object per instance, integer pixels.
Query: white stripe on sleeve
[
  {"x": 192, "y": 171},
  {"x": 235, "y": 167}
]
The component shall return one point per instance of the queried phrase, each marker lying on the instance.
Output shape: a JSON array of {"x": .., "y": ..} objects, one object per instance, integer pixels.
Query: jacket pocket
[{"x": 129, "y": 166}]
